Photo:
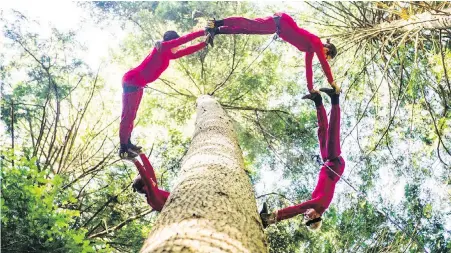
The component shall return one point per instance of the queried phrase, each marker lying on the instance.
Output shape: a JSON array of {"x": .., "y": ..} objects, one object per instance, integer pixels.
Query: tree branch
[
  {"x": 120, "y": 225},
  {"x": 278, "y": 194},
  {"x": 249, "y": 108},
  {"x": 172, "y": 88}
]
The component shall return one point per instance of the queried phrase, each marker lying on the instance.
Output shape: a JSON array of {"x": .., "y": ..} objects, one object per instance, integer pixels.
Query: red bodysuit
[
  {"x": 290, "y": 32},
  {"x": 148, "y": 71},
  {"x": 155, "y": 197},
  {"x": 329, "y": 143}
]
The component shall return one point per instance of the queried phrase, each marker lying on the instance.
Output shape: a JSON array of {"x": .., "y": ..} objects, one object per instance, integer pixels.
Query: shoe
[
  {"x": 329, "y": 92},
  {"x": 311, "y": 96},
  {"x": 266, "y": 217},
  {"x": 133, "y": 147},
  {"x": 210, "y": 38},
  {"x": 336, "y": 87},
  {"x": 126, "y": 153},
  {"x": 332, "y": 93},
  {"x": 315, "y": 97}
]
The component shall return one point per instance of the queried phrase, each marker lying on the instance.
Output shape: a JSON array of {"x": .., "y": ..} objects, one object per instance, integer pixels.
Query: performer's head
[
  {"x": 171, "y": 35},
  {"x": 138, "y": 185},
  {"x": 312, "y": 219},
  {"x": 330, "y": 50}
]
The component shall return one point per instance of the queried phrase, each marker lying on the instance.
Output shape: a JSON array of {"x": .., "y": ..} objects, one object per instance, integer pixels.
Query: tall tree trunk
[{"x": 212, "y": 207}]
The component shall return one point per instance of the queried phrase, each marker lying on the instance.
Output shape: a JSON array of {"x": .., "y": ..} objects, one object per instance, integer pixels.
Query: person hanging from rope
[
  {"x": 146, "y": 183},
  {"x": 330, "y": 172},
  {"x": 284, "y": 25},
  {"x": 148, "y": 71}
]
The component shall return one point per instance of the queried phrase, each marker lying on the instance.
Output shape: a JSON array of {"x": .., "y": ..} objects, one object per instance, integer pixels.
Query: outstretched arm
[
  {"x": 145, "y": 176},
  {"x": 182, "y": 40},
  {"x": 309, "y": 69},
  {"x": 292, "y": 211},
  {"x": 189, "y": 50},
  {"x": 318, "y": 47},
  {"x": 148, "y": 167},
  {"x": 156, "y": 198}
]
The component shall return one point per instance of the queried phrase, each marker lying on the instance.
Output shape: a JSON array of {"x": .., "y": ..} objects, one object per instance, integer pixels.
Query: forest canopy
[{"x": 65, "y": 189}]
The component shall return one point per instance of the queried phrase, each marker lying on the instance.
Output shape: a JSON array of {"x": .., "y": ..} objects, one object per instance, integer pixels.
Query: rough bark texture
[{"x": 212, "y": 207}]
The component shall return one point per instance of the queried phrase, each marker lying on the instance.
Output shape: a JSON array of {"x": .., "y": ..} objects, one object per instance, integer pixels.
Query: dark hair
[
  {"x": 170, "y": 35},
  {"x": 138, "y": 185},
  {"x": 310, "y": 222},
  {"x": 332, "y": 49}
]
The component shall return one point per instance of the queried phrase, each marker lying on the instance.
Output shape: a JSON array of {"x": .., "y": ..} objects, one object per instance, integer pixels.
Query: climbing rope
[
  {"x": 321, "y": 163},
  {"x": 275, "y": 36},
  {"x": 364, "y": 196},
  {"x": 272, "y": 40}
]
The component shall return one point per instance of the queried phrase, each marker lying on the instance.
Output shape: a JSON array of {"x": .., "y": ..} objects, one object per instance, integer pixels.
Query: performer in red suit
[
  {"x": 329, "y": 143},
  {"x": 288, "y": 30},
  {"x": 146, "y": 183},
  {"x": 148, "y": 71}
]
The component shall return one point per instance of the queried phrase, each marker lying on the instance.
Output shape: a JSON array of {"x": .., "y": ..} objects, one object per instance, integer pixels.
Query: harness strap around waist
[
  {"x": 333, "y": 159},
  {"x": 277, "y": 21}
]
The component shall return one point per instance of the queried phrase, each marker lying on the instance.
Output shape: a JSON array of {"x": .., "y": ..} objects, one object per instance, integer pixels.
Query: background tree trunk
[{"x": 212, "y": 207}]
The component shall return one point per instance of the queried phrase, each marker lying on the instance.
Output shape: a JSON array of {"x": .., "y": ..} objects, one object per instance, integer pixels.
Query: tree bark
[{"x": 212, "y": 207}]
